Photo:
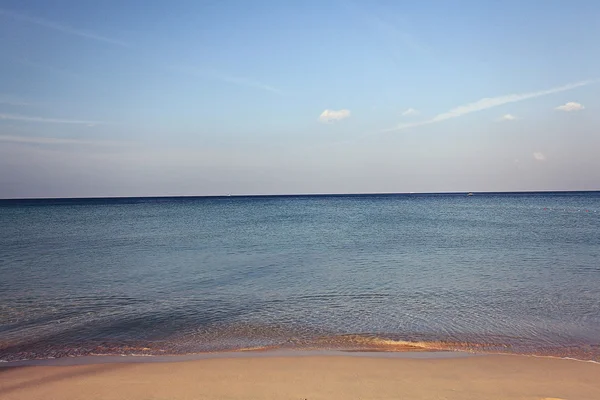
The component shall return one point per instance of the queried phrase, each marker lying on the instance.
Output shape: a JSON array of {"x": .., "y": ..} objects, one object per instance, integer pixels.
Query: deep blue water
[{"x": 509, "y": 272}]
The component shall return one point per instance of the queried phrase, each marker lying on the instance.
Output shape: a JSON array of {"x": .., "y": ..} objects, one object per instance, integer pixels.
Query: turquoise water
[{"x": 496, "y": 272}]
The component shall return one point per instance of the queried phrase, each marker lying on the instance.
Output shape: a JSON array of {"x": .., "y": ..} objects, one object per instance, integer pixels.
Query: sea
[{"x": 490, "y": 273}]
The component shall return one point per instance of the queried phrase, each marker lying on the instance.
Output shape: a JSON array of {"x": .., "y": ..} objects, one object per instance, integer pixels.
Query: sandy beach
[{"x": 493, "y": 377}]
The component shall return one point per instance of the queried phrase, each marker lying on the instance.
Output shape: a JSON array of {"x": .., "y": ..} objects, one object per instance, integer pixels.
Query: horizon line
[{"x": 300, "y": 195}]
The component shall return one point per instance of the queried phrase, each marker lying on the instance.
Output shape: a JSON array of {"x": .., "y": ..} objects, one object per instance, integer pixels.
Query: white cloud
[
  {"x": 333, "y": 115},
  {"x": 539, "y": 156},
  {"x": 409, "y": 112},
  {"x": 570, "y": 106},
  {"x": 508, "y": 117},
  {"x": 59, "y": 27},
  {"x": 25, "y": 118},
  {"x": 489, "y": 102}
]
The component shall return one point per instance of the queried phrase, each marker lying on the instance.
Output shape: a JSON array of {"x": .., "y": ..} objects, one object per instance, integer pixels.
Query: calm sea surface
[{"x": 506, "y": 272}]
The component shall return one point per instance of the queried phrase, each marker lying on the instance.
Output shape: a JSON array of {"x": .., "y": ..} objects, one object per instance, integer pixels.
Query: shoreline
[
  {"x": 311, "y": 376},
  {"x": 149, "y": 359},
  {"x": 96, "y": 359}
]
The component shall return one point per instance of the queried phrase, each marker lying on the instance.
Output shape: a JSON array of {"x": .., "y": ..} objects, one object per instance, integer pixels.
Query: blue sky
[{"x": 140, "y": 98}]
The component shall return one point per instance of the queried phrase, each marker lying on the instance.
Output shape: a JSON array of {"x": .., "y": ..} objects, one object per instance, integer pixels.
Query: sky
[{"x": 157, "y": 98}]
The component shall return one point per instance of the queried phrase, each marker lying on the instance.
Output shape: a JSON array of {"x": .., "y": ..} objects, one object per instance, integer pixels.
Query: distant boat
[{"x": 470, "y": 194}]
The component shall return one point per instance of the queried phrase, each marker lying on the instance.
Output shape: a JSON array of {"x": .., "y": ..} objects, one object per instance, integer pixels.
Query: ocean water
[{"x": 513, "y": 273}]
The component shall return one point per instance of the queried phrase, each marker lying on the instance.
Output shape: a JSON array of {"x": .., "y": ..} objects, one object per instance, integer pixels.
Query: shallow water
[{"x": 497, "y": 272}]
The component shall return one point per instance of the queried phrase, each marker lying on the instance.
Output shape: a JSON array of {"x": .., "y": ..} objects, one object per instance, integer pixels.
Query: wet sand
[{"x": 312, "y": 377}]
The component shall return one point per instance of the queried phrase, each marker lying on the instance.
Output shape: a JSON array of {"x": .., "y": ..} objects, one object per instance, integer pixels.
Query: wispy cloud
[
  {"x": 50, "y": 140},
  {"x": 44, "y": 66},
  {"x": 333, "y": 115},
  {"x": 236, "y": 80},
  {"x": 60, "y": 27},
  {"x": 489, "y": 102},
  {"x": 570, "y": 106},
  {"x": 396, "y": 35},
  {"x": 538, "y": 156},
  {"x": 13, "y": 101},
  {"x": 392, "y": 33},
  {"x": 26, "y": 118},
  {"x": 410, "y": 112}
]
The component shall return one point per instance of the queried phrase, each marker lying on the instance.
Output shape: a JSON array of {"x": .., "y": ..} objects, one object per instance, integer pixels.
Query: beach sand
[{"x": 311, "y": 377}]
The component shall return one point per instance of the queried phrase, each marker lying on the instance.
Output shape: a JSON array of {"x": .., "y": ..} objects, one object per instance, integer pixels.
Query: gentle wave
[{"x": 343, "y": 343}]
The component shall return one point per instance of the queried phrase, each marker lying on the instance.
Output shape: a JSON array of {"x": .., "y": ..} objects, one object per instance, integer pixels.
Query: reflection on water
[{"x": 510, "y": 273}]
